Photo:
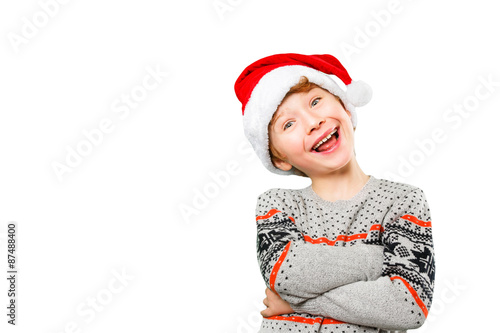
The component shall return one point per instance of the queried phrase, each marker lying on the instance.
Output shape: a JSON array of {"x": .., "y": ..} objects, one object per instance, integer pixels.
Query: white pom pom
[{"x": 359, "y": 93}]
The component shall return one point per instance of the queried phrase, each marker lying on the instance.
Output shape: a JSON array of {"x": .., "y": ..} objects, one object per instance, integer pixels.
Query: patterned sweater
[{"x": 360, "y": 265}]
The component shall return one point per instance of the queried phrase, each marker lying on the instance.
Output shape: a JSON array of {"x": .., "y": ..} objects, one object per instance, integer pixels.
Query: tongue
[{"x": 328, "y": 144}]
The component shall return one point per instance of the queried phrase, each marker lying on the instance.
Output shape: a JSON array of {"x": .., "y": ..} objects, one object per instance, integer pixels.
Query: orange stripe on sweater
[
  {"x": 277, "y": 265},
  {"x": 414, "y": 294},
  {"x": 330, "y": 321},
  {"x": 343, "y": 238},
  {"x": 310, "y": 321},
  {"x": 268, "y": 215},
  {"x": 413, "y": 219}
]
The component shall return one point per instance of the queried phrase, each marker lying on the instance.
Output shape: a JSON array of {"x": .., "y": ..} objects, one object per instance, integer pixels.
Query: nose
[{"x": 313, "y": 121}]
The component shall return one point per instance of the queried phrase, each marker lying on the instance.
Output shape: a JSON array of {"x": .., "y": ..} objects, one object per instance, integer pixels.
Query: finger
[
  {"x": 272, "y": 296},
  {"x": 266, "y": 302},
  {"x": 265, "y": 313}
]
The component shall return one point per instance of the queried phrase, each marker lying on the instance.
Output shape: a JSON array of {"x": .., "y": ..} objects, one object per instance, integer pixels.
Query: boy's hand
[{"x": 275, "y": 305}]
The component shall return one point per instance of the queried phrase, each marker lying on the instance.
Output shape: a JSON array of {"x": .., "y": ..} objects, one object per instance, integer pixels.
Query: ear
[
  {"x": 350, "y": 117},
  {"x": 282, "y": 165},
  {"x": 348, "y": 113}
]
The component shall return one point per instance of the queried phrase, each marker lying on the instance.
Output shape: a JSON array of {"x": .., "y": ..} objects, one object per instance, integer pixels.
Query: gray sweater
[{"x": 360, "y": 265}]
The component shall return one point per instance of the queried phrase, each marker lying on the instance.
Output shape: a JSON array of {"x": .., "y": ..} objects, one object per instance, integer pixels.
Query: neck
[{"x": 342, "y": 184}]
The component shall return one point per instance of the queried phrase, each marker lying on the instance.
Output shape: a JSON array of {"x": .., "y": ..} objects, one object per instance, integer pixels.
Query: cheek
[
  {"x": 288, "y": 145},
  {"x": 277, "y": 143},
  {"x": 281, "y": 146},
  {"x": 346, "y": 114}
]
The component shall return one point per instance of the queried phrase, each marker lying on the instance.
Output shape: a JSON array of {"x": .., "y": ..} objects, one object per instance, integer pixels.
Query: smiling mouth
[{"x": 327, "y": 142}]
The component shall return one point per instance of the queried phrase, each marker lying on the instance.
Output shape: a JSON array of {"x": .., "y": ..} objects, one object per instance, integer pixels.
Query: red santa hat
[{"x": 262, "y": 86}]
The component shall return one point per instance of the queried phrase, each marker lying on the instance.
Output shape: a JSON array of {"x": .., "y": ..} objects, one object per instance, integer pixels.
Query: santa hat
[{"x": 262, "y": 86}]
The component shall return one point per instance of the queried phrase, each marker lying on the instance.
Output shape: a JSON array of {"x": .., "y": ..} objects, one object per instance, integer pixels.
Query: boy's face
[{"x": 313, "y": 132}]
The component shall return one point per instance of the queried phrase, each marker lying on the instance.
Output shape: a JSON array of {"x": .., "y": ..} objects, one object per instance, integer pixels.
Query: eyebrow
[{"x": 275, "y": 118}]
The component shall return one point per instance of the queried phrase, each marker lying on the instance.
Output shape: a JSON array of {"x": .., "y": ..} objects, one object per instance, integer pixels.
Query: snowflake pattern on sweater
[{"x": 360, "y": 265}]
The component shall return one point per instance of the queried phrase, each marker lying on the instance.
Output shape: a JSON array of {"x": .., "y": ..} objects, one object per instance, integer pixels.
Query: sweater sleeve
[
  {"x": 298, "y": 270},
  {"x": 401, "y": 298}
]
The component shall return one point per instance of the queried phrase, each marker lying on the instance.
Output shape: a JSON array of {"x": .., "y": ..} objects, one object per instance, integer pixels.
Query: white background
[{"x": 118, "y": 210}]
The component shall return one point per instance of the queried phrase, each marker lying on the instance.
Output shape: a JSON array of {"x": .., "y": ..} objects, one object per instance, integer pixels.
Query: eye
[
  {"x": 287, "y": 124},
  {"x": 315, "y": 101}
]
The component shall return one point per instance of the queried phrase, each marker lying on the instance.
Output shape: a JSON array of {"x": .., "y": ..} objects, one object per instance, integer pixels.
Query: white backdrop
[{"x": 125, "y": 166}]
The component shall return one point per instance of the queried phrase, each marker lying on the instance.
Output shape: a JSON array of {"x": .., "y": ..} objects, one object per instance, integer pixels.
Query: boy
[{"x": 349, "y": 253}]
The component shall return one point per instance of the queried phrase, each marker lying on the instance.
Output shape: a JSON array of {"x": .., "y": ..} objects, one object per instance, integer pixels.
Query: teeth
[{"x": 326, "y": 138}]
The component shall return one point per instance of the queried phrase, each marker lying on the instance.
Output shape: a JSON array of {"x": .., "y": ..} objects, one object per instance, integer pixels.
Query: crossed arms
[{"x": 386, "y": 286}]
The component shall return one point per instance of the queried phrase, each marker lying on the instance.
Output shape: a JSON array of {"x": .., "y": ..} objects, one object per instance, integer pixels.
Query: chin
[{"x": 344, "y": 163}]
